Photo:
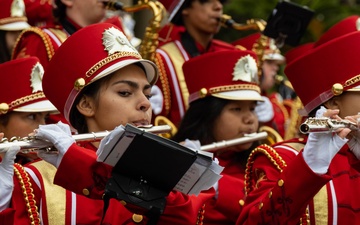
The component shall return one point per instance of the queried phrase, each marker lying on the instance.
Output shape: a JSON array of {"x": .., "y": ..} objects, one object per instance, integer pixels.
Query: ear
[
  {"x": 68, "y": 3},
  {"x": 333, "y": 103},
  {"x": 86, "y": 106}
]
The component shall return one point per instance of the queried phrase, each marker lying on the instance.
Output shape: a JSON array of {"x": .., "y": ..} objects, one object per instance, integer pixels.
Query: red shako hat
[
  {"x": 271, "y": 51},
  {"x": 88, "y": 55},
  {"x": 12, "y": 15},
  {"x": 329, "y": 68},
  {"x": 22, "y": 89},
  {"x": 228, "y": 74}
]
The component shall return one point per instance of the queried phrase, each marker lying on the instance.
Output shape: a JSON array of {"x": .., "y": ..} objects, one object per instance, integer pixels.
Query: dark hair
[
  {"x": 4, "y": 118},
  {"x": 77, "y": 120},
  {"x": 177, "y": 19},
  {"x": 59, "y": 12},
  {"x": 199, "y": 121},
  {"x": 4, "y": 53}
]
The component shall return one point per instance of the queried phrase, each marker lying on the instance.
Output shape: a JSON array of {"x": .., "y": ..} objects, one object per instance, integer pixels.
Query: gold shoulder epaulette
[
  {"x": 44, "y": 37},
  {"x": 271, "y": 154}
]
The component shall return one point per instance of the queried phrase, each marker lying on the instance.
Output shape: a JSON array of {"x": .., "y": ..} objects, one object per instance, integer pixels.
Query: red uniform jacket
[
  {"x": 170, "y": 57},
  {"x": 284, "y": 190},
  {"x": 90, "y": 178},
  {"x": 225, "y": 209}
]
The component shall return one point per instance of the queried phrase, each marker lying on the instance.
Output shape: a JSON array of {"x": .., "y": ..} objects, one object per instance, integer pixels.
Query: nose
[
  {"x": 250, "y": 117},
  {"x": 218, "y": 5},
  {"x": 144, "y": 103}
]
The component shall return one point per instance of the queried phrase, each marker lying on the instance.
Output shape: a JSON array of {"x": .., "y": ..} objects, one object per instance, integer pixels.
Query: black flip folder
[{"x": 149, "y": 167}]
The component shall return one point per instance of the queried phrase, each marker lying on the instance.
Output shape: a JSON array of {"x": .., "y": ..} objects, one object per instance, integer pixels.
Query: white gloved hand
[
  {"x": 354, "y": 143},
  {"x": 321, "y": 148},
  {"x": 108, "y": 142},
  {"x": 6, "y": 177},
  {"x": 156, "y": 100},
  {"x": 193, "y": 144},
  {"x": 60, "y": 136},
  {"x": 264, "y": 110}
]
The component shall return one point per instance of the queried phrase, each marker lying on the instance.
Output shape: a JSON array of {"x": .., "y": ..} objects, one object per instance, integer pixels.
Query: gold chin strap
[
  {"x": 162, "y": 120},
  {"x": 273, "y": 136}
]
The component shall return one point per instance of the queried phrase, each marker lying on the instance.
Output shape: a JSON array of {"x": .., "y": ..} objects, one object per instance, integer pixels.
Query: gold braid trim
[
  {"x": 44, "y": 37},
  {"x": 200, "y": 216},
  {"x": 352, "y": 81},
  {"x": 109, "y": 59},
  {"x": 28, "y": 194},
  {"x": 164, "y": 83},
  {"x": 235, "y": 87},
  {"x": 271, "y": 154},
  {"x": 278, "y": 162},
  {"x": 26, "y": 99}
]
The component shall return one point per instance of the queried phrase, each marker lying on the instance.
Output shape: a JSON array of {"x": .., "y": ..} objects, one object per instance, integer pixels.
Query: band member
[
  {"x": 12, "y": 21},
  {"x": 311, "y": 181},
  {"x": 23, "y": 106},
  {"x": 275, "y": 109},
  {"x": 190, "y": 33},
  {"x": 222, "y": 107},
  {"x": 107, "y": 88},
  {"x": 69, "y": 16}
]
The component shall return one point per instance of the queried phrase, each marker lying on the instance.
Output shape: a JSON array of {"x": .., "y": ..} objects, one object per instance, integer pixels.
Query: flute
[
  {"x": 31, "y": 143},
  {"x": 222, "y": 144},
  {"x": 325, "y": 124}
]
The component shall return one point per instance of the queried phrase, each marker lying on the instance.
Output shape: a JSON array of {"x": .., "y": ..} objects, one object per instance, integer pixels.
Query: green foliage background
[{"x": 327, "y": 13}]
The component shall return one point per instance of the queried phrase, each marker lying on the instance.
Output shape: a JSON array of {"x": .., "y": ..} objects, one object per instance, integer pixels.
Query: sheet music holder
[{"x": 148, "y": 167}]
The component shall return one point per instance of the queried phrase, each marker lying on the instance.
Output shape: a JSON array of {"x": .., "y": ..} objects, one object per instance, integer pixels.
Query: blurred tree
[{"x": 327, "y": 13}]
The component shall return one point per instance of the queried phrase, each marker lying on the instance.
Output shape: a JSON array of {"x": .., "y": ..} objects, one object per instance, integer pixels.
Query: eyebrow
[{"x": 133, "y": 84}]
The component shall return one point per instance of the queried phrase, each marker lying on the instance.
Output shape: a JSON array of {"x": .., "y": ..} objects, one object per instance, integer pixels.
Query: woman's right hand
[
  {"x": 321, "y": 148},
  {"x": 6, "y": 175}
]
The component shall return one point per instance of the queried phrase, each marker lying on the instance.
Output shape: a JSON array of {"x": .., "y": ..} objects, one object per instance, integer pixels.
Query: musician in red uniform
[
  {"x": 68, "y": 17},
  {"x": 106, "y": 85},
  {"x": 12, "y": 21},
  {"x": 272, "y": 112},
  {"x": 222, "y": 107},
  {"x": 190, "y": 33},
  {"x": 311, "y": 181}
]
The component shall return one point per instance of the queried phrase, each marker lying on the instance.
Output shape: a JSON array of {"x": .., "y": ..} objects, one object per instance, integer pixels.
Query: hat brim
[
  {"x": 151, "y": 70},
  {"x": 243, "y": 95},
  {"x": 21, "y": 25},
  {"x": 274, "y": 57},
  {"x": 41, "y": 106}
]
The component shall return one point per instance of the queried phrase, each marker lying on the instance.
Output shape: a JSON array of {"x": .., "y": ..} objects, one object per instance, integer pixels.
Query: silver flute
[
  {"x": 31, "y": 143},
  {"x": 237, "y": 141},
  {"x": 324, "y": 124}
]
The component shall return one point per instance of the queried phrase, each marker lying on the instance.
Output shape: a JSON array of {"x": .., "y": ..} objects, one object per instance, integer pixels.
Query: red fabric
[
  {"x": 92, "y": 175},
  {"x": 37, "y": 44},
  {"x": 287, "y": 203},
  {"x": 13, "y": 90},
  {"x": 172, "y": 34},
  {"x": 319, "y": 72},
  {"x": 225, "y": 209}
]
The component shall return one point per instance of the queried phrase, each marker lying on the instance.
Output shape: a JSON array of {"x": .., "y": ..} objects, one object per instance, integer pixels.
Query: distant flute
[
  {"x": 324, "y": 125},
  {"x": 31, "y": 143},
  {"x": 237, "y": 141}
]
